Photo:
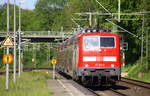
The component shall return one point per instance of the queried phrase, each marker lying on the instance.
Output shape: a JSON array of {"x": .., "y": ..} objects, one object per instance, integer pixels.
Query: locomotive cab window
[
  {"x": 91, "y": 42},
  {"x": 95, "y": 42},
  {"x": 107, "y": 42}
]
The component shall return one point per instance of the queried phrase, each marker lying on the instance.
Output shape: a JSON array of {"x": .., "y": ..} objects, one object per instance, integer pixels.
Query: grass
[
  {"x": 3, "y": 69},
  {"x": 31, "y": 83},
  {"x": 137, "y": 71}
]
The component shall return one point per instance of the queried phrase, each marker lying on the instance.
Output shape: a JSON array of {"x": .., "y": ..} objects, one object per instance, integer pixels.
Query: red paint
[
  {"x": 104, "y": 52},
  {"x": 70, "y": 53}
]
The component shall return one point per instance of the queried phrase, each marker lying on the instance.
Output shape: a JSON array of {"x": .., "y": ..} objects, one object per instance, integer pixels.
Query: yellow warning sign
[
  {"x": 53, "y": 61},
  {"x": 8, "y": 58},
  {"x": 8, "y": 42}
]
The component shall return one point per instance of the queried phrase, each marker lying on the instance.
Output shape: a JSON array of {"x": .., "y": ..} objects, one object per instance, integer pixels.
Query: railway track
[
  {"x": 106, "y": 91},
  {"x": 117, "y": 92},
  {"x": 126, "y": 87},
  {"x": 130, "y": 87},
  {"x": 136, "y": 82}
]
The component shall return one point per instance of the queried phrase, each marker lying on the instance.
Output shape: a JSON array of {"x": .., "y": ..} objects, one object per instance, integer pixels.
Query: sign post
[
  {"x": 53, "y": 71},
  {"x": 7, "y": 76},
  {"x": 7, "y": 59},
  {"x": 7, "y": 65},
  {"x": 54, "y": 61}
]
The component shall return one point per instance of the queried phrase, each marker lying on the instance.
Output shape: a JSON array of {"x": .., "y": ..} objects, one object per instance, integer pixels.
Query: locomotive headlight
[
  {"x": 112, "y": 65},
  {"x": 86, "y": 65},
  {"x": 88, "y": 31}
]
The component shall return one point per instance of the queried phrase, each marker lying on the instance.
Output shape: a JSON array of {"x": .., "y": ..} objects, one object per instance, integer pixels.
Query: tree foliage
[{"x": 55, "y": 14}]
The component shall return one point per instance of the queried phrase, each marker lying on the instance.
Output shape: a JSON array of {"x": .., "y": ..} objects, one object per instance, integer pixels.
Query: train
[{"x": 91, "y": 57}]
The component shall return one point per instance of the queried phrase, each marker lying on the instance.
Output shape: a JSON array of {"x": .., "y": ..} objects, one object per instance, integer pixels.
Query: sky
[{"x": 28, "y": 4}]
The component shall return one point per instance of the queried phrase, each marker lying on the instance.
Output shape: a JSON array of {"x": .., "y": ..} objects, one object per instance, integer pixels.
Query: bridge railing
[
  {"x": 4, "y": 33},
  {"x": 40, "y": 33}
]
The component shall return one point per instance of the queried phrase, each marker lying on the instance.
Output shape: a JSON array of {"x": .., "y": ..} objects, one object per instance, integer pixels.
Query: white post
[
  {"x": 118, "y": 10},
  {"x": 19, "y": 44},
  {"x": 14, "y": 40},
  {"x": 7, "y": 65},
  {"x": 34, "y": 55},
  {"x": 53, "y": 71},
  {"x": 147, "y": 47},
  {"x": 90, "y": 19},
  {"x": 21, "y": 61},
  {"x": 62, "y": 34},
  {"x": 7, "y": 76},
  {"x": 123, "y": 58},
  {"x": 142, "y": 41},
  {"x": 48, "y": 54}
]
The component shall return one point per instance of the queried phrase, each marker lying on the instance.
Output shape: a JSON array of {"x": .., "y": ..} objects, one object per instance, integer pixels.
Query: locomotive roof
[
  {"x": 97, "y": 33},
  {"x": 97, "y": 30},
  {"x": 86, "y": 31}
]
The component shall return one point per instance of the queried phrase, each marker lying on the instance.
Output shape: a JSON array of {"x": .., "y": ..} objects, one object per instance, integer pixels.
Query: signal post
[{"x": 53, "y": 61}]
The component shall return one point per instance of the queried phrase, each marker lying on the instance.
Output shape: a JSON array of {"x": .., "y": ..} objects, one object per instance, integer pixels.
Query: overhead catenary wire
[
  {"x": 104, "y": 7},
  {"x": 118, "y": 17},
  {"x": 73, "y": 20},
  {"x": 135, "y": 13},
  {"x": 113, "y": 14},
  {"x": 78, "y": 26},
  {"x": 109, "y": 11},
  {"x": 122, "y": 28},
  {"x": 144, "y": 12}
]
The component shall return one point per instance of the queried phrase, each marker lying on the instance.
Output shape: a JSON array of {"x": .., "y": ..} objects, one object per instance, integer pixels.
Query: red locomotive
[{"x": 92, "y": 58}]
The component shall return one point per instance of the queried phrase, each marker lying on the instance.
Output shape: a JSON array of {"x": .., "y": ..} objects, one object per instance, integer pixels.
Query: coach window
[
  {"x": 72, "y": 40},
  {"x": 107, "y": 42},
  {"x": 91, "y": 42}
]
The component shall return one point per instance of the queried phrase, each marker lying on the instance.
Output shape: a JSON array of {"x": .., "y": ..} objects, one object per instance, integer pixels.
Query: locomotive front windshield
[
  {"x": 107, "y": 42},
  {"x": 91, "y": 42},
  {"x": 95, "y": 42}
]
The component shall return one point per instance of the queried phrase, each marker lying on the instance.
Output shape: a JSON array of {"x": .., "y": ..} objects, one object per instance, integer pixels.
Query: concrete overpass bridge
[{"x": 39, "y": 36}]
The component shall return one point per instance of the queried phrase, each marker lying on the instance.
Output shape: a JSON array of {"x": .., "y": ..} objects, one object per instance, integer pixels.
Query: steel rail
[
  {"x": 117, "y": 92},
  {"x": 136, "y": 82},
  {"x": 93, "y": 92}
]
